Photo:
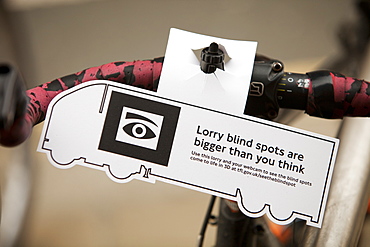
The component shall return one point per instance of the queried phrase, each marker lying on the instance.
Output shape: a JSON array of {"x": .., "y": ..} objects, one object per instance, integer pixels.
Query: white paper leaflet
[{"x": 132, "y": 133}]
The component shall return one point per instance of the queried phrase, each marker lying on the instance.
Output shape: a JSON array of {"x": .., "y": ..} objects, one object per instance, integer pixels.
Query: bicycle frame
[{"x": 348, "y": 197}]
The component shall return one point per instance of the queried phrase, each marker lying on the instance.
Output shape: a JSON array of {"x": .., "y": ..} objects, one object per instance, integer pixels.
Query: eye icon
[{"x": 139, "y": 128}]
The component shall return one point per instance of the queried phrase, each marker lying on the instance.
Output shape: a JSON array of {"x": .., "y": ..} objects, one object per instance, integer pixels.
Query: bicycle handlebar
[{"x": 322, "y": 93}]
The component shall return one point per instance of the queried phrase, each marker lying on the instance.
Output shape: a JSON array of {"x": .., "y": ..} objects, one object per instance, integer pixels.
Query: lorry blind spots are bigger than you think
[{"x": 260, "y": 147}]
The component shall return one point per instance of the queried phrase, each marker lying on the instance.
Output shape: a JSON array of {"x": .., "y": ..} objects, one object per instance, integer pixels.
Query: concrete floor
[{"x": 82, "y": 207}]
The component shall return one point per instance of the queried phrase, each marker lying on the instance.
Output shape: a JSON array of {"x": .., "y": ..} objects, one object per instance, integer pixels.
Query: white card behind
[{"x": 182, "y": 78}]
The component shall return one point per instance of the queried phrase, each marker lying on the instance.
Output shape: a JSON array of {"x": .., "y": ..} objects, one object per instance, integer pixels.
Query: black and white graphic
[{"x": 139, "y": 128}]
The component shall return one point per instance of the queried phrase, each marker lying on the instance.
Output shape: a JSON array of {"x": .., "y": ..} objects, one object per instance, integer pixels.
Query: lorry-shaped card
[{"x": 131, "y": 133}]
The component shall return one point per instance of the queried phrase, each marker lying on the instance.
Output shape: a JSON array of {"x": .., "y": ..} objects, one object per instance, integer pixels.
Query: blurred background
[{"x": 47, "y": 39}]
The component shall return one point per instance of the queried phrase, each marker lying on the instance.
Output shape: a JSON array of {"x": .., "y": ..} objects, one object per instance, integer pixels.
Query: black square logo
[{"x": 139, "y": 128}]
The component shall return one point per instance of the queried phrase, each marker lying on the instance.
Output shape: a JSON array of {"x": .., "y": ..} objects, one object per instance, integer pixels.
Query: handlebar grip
[
  {"x": 143, "y": 73},
  {"x": 333, "y": 95}
]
